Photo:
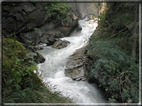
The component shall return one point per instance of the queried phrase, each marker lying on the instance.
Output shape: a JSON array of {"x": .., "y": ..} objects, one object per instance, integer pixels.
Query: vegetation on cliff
[
  {"x": 114, "y": 51},
  {"x": 58, "y": 11},
  {"x": 19, "y": 82}
]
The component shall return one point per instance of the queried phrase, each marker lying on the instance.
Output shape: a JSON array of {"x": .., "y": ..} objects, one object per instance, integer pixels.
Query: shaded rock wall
[
  {"x": 22, "y": 17},
  {"x": 32, "y": 24}
]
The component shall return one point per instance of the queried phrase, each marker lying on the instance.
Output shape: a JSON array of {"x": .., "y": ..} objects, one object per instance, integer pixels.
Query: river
[{"x": 52, "y": 70}]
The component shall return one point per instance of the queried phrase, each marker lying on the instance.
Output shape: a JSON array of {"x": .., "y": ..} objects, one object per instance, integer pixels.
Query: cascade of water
[
  {"x": 86, "y": 18},
  {"x": 52, "y": 70}
]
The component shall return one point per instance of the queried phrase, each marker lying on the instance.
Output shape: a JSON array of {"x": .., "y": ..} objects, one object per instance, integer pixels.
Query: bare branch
[{"x": 119, "y": 31}]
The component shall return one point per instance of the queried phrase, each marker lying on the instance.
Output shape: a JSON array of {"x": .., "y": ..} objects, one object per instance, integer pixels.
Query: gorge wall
[
  {"x": 44, "y": 23},
  {"x": 40, "y": 23},
  {"x": 35, "y": 23},
  {"x": 32, "y": 22},
  {"x": 85, "y": 9}
]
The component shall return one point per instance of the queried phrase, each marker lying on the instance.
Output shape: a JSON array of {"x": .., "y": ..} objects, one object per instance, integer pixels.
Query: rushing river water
[{"x": 52, "y": 70}]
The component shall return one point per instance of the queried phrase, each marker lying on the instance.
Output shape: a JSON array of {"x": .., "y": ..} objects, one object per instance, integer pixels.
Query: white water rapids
[{"x": 52, "y": 70}]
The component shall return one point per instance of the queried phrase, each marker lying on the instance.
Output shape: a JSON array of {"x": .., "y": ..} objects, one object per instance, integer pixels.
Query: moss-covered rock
[
  {"x": 19, "y": 82},
  {"x": 12, "y": 49}
]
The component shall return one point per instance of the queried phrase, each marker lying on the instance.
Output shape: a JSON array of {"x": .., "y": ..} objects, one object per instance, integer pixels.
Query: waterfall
[{"x": 52, "y": 70}]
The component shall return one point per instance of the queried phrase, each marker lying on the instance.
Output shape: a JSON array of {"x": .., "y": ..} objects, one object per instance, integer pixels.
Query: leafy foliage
[
  {"x": 115, "y": 71},
  {"x": 19, "y": 83},
  {"x": 110, "y": 48},
  {"x": 58, "y": 11}
]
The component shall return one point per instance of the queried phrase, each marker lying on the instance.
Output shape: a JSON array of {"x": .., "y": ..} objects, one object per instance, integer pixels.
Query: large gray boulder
[
  {"x": 76, "y": 65},
  {"x": 79, "y": 28},
  {"x": 59, "y": 44},
  {"x": 31, "y": 38},
  {"x": 43, "y": 35}
]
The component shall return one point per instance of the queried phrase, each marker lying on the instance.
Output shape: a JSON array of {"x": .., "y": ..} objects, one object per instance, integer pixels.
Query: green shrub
[
  {"x": 116, "y": 72},
  {"x": 19, "y": 83},
  {"x": 14, "y": 69},
  {"x": 58, "y": 11}
]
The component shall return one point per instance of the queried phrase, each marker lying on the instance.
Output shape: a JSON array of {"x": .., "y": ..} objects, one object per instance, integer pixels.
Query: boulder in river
[
  {"x": 34, "y": 56},
  {"x": 79, "y": 28},
  {"x": 60, "y": 44},
  {"x": 39, "y": 58},
  {"x": 75, "y": 67}
]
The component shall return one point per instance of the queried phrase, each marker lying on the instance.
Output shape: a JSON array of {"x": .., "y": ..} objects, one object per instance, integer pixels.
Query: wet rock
[
  {"x": 75, "y": 73},
  {"x": 43, "y": 36},
  {"x": 91, "y": 21},
  {"x": 79, "y": 28},
  {"x": 60, "y": 44},
  {"x": 75, "y": 67},
  {"x": 28, "y": 7},
  {"x": 39, "y": 58},
  {"x": 48, "y": 26},
  {"x": 52, "y": 39},
  {"x": 65, "y": 30},
  {"x": 56, "y": 33},
  {"x": 40, "y": 46},
  {"x": 44, "y": 39},
  {"x": 31, "y": 38},
  {"x": 34, "y": 56},
  {"x": 80, "y": 78},
  {"x": 37, "y": 48},
  {"x": 40, "y": 36}
]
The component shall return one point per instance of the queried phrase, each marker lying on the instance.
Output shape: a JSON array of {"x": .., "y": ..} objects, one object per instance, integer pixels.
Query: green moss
[{"x": 13, "y": 48}]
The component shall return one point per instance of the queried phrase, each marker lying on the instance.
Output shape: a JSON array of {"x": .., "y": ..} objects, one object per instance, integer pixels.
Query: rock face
[
  {"x": 85, "y": 9},
  {"x": 60, "y": 44},
  {"x": 32, "y": 24},
  {"x": 20, "y": 16},
  {"x": 76, "y": 65}
]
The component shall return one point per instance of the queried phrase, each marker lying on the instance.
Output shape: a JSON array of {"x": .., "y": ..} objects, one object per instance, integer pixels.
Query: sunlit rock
[
  {"x": 60, "y": 44},
  {"x": 75, "y": 67}
]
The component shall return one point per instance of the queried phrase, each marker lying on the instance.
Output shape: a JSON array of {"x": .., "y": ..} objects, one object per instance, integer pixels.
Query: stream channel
[{"x": 52, "y": 70}]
